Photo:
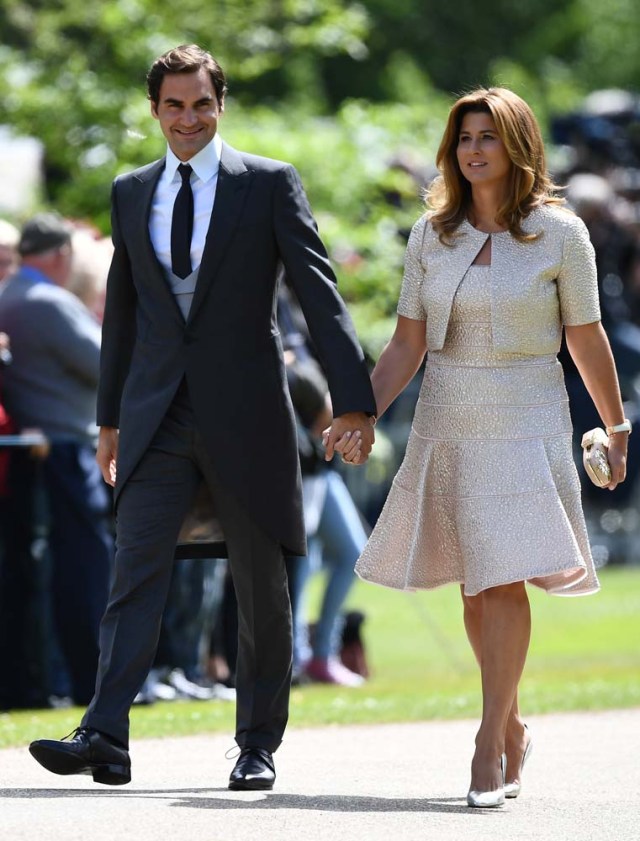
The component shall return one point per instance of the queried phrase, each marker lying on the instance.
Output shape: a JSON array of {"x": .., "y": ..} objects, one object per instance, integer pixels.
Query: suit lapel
[
  {"x": 232, "y": 190},
  {"x": 140, "y": 212},
  {"x": 148, "y": 181}
]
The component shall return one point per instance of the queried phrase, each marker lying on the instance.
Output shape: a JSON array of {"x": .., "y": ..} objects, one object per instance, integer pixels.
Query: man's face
[
  {"x": 188, "y": 112},
  {"x": 58, "y": 265}
]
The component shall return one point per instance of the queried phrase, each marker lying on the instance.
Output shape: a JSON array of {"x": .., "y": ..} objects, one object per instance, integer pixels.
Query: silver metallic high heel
[
  {"x": 513, "y": 789},
  {"x": 489, "y": 799}
]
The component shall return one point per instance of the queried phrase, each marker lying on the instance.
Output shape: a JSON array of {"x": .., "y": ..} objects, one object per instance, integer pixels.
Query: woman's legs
[{"x": 498, "y": 624}]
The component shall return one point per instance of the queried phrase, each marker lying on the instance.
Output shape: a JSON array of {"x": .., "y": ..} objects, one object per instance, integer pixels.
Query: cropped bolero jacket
[{"x": 537, "y": 286}]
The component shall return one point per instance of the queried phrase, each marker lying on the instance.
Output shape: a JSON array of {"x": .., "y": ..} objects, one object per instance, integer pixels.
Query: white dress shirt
[{"x": 204, "y": 180}]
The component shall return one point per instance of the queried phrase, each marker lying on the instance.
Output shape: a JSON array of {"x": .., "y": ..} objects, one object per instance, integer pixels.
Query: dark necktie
[{"x": 182, "y": 225}]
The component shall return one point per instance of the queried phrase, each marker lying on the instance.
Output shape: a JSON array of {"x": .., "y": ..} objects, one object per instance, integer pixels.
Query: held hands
[
  {"x": 107, "y": 453},
  {"x": 352, "y": 436}
]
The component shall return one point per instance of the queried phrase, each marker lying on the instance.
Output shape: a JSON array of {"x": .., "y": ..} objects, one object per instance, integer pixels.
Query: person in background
[
  {"x": 51, "y": 386},
  {"x": 488, "y": 494},
  {"x": 26, "y": 641},
  {"x": 9, "y": 236},
  {"x": 180, "y": 666},
  {"x": 6, "y": 428},
  {"x": 91, "y": 257},
  {"x": 335, "y": 534}
]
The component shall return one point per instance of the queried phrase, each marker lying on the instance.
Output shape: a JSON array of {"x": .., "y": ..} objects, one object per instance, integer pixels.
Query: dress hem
[{"x": 569, "y": 590}]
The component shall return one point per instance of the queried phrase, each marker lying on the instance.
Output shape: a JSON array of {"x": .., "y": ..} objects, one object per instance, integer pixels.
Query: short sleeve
[
  {"x": 577, "y": 280},
  {"x": 410, "y": 304}
]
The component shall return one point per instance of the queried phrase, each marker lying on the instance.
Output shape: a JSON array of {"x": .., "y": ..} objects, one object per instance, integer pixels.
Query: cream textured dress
[{"x": 488, "y": 492}]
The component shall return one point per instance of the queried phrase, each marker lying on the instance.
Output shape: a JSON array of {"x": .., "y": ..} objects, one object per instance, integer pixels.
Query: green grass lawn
[{"x": 584, "y": 655}]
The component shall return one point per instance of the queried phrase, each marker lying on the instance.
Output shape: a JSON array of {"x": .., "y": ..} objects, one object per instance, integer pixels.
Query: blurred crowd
[
  {"x": 598, "y": 158},
  {"x": 56, "y": 526}
]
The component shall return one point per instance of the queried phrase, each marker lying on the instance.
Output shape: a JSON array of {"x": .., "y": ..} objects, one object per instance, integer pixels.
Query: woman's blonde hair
[{"x": 530, "y": 186}]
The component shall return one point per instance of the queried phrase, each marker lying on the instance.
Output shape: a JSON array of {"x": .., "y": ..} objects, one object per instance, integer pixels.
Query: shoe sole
[
  {"x": 250, "y": 785},
  {"x": 66, "y": 764}
]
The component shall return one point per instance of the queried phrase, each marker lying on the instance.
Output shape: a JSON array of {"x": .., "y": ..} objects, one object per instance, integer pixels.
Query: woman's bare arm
[
  {"x": 590, "y": 350},
  {"x": 399, "y": 361},
  {"x": 395, "y": 368}
]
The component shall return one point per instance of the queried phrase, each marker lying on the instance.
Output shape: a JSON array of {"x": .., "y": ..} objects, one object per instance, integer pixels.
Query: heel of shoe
[
  {"x": 489, "y": 799},
  {"x": 112, "y": 775},
  {"x": 512, "y": 790}
]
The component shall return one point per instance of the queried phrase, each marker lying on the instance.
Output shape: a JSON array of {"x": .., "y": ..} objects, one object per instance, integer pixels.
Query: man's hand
[
  {"x": 351, "y": 435},
  {"x": 107, "y": 453}
]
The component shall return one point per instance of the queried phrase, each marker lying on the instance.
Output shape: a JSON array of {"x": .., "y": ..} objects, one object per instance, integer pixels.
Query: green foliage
[
  {"x": 549, "y": 90},
  {"x": 74, "y": 72},
  {"x": 364, "y": 170},
  {"x": 608, "y": 54}
]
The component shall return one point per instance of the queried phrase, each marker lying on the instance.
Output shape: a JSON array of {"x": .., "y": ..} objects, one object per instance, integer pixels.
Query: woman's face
[{"x": 481, "y": 154}]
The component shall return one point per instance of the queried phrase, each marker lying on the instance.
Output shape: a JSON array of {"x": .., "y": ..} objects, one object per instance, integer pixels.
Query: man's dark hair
[
  {"x": 44, "y": 232},
  {"x": 187, "y": 58}
]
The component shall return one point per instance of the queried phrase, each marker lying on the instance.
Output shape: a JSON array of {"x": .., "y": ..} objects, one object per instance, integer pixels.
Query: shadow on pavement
[{"x": 222, "y": 799}]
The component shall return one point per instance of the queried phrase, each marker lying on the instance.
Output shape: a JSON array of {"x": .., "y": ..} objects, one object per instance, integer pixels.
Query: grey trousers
[{"x": 150, "y": 512}]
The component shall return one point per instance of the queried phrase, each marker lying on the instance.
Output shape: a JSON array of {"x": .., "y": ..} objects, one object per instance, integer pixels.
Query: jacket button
[{"x": 189, "y": 338}]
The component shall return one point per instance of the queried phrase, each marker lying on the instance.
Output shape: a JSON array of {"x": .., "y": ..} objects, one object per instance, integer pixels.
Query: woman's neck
[{"x": 484, "y": 206}]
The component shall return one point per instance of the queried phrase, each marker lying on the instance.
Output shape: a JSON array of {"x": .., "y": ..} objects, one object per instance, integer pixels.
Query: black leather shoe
[
  {"x": 254, "y": 770},
  {"x": 87, "y": 752}
]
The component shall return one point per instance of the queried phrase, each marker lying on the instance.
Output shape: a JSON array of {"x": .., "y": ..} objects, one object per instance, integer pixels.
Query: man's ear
[
  {"x": 154, "y": 109},
  {"x": 221, "y": 106}
]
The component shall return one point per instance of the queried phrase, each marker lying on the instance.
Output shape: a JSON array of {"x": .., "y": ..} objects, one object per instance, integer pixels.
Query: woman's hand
[
  {"x": 590, "y": 350},
  {"x": 617, "y": 458},
  {"x": 351, "y": 435},
  {"x": 349, "y": 446}
]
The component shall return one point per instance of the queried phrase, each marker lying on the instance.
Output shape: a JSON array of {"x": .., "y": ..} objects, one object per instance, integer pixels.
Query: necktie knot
[{"x": 185, "y": 171}]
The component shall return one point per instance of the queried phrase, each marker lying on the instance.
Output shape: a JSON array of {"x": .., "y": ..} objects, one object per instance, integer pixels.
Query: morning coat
[{"x": 229, "y": 348}]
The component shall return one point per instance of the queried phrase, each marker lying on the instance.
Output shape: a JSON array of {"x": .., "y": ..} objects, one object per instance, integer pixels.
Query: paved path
[{"x": 384, "y": 783}]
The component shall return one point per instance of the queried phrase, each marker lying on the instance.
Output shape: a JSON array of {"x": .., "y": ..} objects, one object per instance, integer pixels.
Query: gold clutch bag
[{"x": 595, "y": 456}]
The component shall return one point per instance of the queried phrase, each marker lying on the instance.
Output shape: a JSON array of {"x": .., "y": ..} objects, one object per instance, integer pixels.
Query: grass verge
[{"x": 584, "y": 655}]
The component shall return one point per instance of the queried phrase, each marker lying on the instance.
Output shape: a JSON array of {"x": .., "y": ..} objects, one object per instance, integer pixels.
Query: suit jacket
[
  {"x": 537, "y": 286},
  {"x": 229, "y": 349}
]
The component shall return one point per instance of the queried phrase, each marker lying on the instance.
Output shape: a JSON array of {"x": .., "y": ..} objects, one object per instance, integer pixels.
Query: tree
[{"x": 74, "y": 72}]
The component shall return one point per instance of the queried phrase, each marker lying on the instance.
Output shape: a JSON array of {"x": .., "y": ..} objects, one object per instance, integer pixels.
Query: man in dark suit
[{"x": 193, "y": 387}]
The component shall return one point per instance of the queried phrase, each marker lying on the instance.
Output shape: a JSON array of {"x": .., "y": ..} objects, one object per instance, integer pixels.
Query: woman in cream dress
[{"x": 488, "y": 494}]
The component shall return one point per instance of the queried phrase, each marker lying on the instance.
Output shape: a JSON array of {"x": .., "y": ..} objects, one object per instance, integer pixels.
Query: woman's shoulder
[
  {"x": 552, "y": 218},
  {"x": 423, "y": 230}
]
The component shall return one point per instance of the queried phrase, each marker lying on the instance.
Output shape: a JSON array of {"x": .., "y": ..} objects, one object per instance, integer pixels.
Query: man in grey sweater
[{"x": 51, "y": 385}]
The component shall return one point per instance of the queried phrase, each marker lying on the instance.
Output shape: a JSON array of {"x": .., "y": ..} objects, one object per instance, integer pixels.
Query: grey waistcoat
[{"x": 183, "y": 289}]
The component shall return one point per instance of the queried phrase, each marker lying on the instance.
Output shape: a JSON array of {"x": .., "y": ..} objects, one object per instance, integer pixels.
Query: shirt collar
[
  {"x": 35, "y": 275},
  {"x": 205, "y": 164}
]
